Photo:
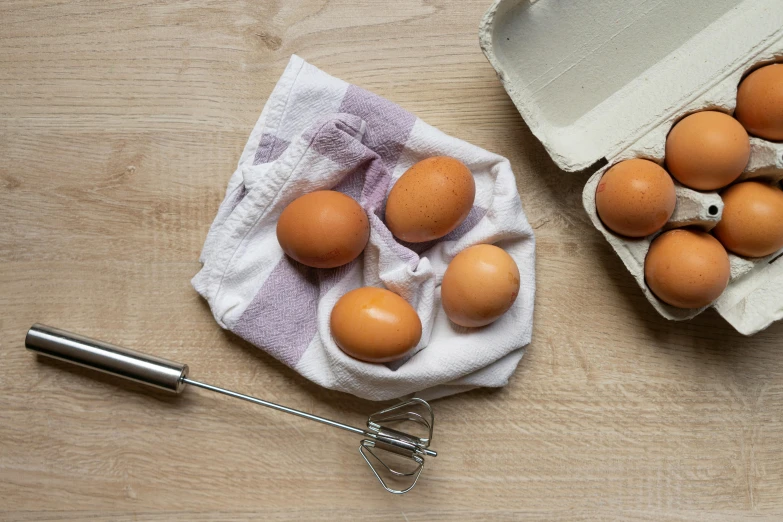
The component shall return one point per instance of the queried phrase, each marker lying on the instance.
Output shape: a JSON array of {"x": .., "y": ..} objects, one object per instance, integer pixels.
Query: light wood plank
[{"x": 120, "y": 123}]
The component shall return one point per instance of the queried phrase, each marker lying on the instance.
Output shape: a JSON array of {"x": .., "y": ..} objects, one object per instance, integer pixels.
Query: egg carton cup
[
  {"x": 548, "y": 56},
  {"x": 766, "y": 160}
]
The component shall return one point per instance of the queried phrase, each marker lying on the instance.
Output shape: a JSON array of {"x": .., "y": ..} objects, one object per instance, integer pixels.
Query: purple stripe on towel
[
  {"x": 330, "y": 277},
  {"x": 269, "y": 149},
  {"x": 352, "y": 184},
  {"x": 388, "y": 124},
  {"x": 338, "y": 140},
  {"x": 282, "y": 318}
]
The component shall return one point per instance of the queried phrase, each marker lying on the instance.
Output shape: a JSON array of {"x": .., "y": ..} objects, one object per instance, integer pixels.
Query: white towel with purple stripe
[{"x": 317, "y": 132}]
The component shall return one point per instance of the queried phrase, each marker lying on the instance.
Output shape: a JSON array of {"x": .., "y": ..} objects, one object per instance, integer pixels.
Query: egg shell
[
  {"x": 430, "y": 199},
  {"x": 323, "y": 229},
  {"x": 760, "y": 102},
  {"x": 752, "y": 223},
  {"x": 480, "y": 284},
  {"x": 687, "y": 268},
  {"x": 707, "y": 150},
  {"x": 375, "y": 325},
  {"x": 635, "y": 198}
]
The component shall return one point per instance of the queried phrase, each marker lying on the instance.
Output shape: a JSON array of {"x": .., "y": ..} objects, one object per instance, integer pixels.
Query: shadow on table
[
  {"x": 162, "y": 396},
  {"x": 562, "y": 191}
]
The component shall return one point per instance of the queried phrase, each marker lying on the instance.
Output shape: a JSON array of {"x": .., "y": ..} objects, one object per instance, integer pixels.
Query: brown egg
[
  {"x": 480, "y": 284},
  {"x": 430, "y": 200},
  {"x": 323, "y": 229},
  {"x": 752, "y": 222},
  {"x": 687, "y": 268},
  {"x": 707, "y": 150},
  {"x": 375, "y": 325},
  {"x": 635, "y": 198},
  {"x": 760, "y": 102}
]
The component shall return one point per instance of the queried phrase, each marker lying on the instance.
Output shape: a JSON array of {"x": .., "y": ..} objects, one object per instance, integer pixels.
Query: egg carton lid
[{"x": 592, "y": 77}]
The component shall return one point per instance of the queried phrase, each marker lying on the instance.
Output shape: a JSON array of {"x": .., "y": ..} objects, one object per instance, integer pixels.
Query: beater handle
[{"x": 108, "y": 358}]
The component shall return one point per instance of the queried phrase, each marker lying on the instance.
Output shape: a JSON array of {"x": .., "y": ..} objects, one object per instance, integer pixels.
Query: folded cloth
[{"x": 317, "y": 132}]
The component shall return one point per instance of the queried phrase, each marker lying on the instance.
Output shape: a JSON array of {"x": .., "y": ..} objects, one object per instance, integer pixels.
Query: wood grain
[{"x": 120, "y": 123}]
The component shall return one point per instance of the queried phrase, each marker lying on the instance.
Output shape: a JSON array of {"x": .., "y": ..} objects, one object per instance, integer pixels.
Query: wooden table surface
[{"x": 120, "y": 123}]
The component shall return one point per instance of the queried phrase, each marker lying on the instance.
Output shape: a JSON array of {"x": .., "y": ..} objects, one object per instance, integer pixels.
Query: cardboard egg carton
[{"x": 605, "y": 80}]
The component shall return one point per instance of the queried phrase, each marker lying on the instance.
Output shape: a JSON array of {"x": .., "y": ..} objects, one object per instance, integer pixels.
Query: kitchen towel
[{"x": 318, "y": 132}]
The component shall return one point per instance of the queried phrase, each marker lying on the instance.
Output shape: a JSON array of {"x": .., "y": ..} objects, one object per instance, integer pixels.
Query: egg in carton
[
  {"x": 700, "y": 209},
  {"x": 612, "y": 89}
]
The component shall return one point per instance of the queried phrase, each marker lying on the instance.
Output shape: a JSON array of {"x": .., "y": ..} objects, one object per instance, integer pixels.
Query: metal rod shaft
[
  {"x": 274, "y": 406},
  {"x": 292, "y": 411}
]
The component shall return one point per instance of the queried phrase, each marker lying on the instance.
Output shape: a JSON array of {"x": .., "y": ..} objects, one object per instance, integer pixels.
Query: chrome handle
[{"x": 107, "y": 358}]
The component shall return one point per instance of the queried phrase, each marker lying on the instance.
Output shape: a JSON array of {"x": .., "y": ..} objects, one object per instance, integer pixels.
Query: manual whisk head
[{"x": 398, "y": 445}]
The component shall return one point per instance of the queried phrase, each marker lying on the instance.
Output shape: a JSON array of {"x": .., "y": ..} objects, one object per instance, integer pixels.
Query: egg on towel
[
  {"x": 375, "y": 325},
  {"x": 323, "y": 229},
  {"x": 430, "y": 199},
  {"x": 480, "y": 284}
]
